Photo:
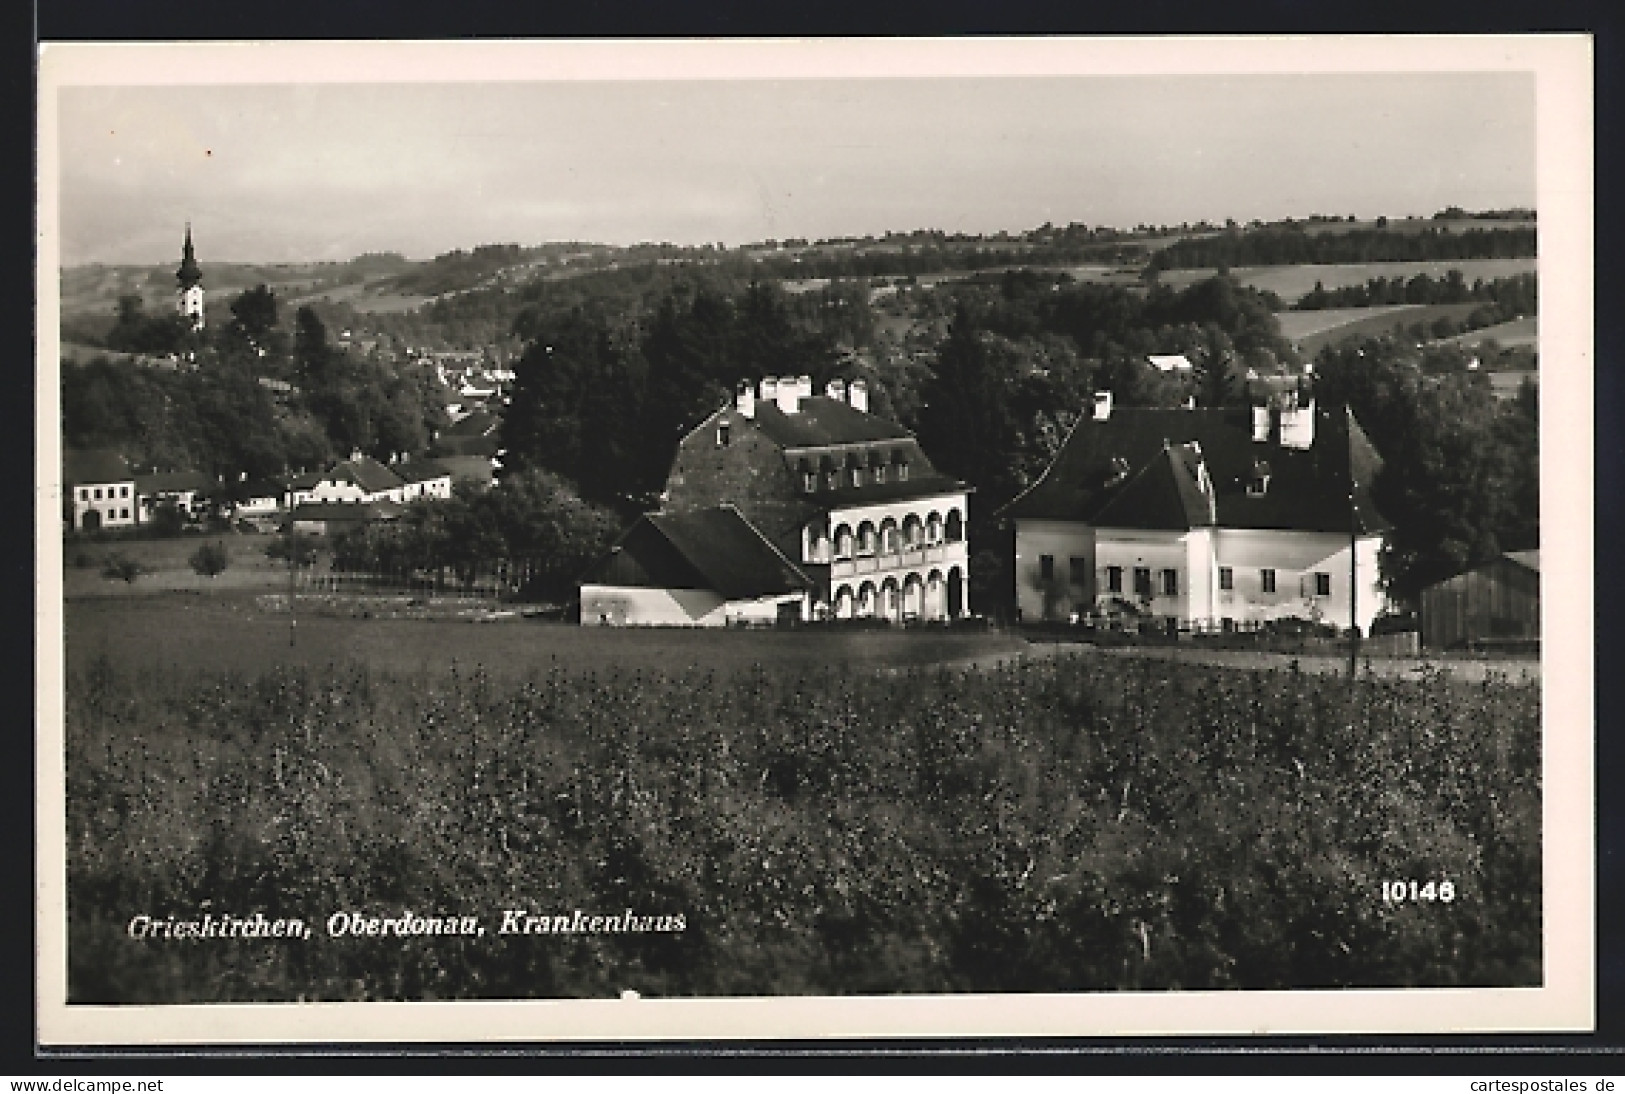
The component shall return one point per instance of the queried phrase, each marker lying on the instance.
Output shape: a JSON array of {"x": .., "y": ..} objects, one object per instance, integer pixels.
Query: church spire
[{"x": 188, "y": 275}]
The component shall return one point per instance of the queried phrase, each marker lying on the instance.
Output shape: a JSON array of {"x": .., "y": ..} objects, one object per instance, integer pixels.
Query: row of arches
[
  {"x": 886, "y": 537},
  {"x": 929, "y": 596}
]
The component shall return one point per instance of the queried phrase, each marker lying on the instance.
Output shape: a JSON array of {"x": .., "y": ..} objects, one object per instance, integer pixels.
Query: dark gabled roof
[
  {"x": 469, "y": 468},
  {"x": 420, "y": 471},
  {"x": 366, "y": 472},
  {"x": 339, "y": 510},
  {"x": 715, "y": 549},
  {"x": 820, "y": 421},
  {"x": 1307, "y": 489},
  {"x": 172, "y": 482},
  {"x": 734, "y": 558},
  {"x": 1164, "y": 493},
  {"x": 305, "y": 480},
  {"x": 85, "y": 466}
]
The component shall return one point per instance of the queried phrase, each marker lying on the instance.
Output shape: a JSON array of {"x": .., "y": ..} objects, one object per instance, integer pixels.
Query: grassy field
[
  {"x": 1298, "y": 325},
  {"x": 1370, "y": 322},
  {"x": 245, "y": 633},
  {"x": 1512, "y": 334},
  {"x": 166, "y": 566},
  {"x": 364, "y": 297},
  {"x": 1291, "y": 282},
  {"x": 1079, "y": 824}
]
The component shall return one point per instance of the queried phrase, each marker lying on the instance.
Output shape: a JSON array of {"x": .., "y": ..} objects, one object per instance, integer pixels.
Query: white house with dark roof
[
  {"x": 1211, "y": 518},
  {"x": 422, "y": 479},
  {"x": 357, "y": 480},
  {"x": 847, "y": 495},
  {"x": 188, "y": 491},
  {"x": 99, "y": 490}
]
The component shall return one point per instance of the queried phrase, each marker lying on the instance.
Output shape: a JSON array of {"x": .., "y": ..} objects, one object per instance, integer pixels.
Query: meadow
[
  {"x": 1291, "y": 282},
  {"x": 1080, "y": 823}
]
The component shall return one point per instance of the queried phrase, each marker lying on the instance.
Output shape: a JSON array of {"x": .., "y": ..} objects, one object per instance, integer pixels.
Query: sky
[{"x": 303, "y": 172}]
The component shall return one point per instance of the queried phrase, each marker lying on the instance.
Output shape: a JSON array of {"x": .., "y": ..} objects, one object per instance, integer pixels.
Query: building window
[
  {"x": 1323, "y": 584},
  {"x": 1266, "y": 580},
  {"x": 722, "y": 435},
  {"x": 955, "y": 529},
  {"x": 124, "y": 514},
  {"x": 902, "y": 471},
  {"x": 1078, "y": 570},
  {"x": 124, "y": 491},
  {"x": 98, "y": 493},
  {"x": 880, "y": 472},
  {"x": 1170, "y": 583},
  {"x": 84, "y": 495},
  {"x": 1227, "y": 578},
  {"x": 1142, "y": 581},
  {"x": 809, "y": 481},
  {"x": 1114, "y": 579},
  {"x": 857, "y": 475},
  {"x": 1046, "y": 567},
  {"x": 1258, "y": 486}
]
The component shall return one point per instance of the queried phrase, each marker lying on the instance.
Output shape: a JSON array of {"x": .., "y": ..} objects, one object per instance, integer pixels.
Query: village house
[
  {"x": 332, "y": 518},
  {"x": 844, "y": 495},
  {"x": 1205, "y": 518},
  {"x": 357, "y": 480},
  {"x": 422, "y": 479},
  {"x": 99, "y": 490},
  {"x": 188, "y": 491}
]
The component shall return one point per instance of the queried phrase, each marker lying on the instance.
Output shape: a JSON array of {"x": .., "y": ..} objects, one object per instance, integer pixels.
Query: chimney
[
  {"x": 1298, "y": 425},
  {"x": 770, "y": 389},
  {"x": 1261, "y": 424},
  {"x": 745, "y": 400},
  {"x": 804, "y": 386},
  {"x": 1103, "y": 405},
  {"x": 857, "y": 395},
  {"x": 836, "y": 389},
  {"x": 1190, "y": 402},
  {"x": 789, "y": 394},
  {"x": 355, "y": 453}
]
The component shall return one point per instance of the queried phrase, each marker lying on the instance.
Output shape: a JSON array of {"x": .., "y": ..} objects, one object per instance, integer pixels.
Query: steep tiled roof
[
  {"x": 820, "y": 420},
  {"x": 1307, "y": 489},
  {"x": 1162, "y": 494},
  {"x": 420, "y": 471},
  {"x": 367, "y": 473},
  {"x": 733, "y": 557},
  {"x": 94, "y": 465}
]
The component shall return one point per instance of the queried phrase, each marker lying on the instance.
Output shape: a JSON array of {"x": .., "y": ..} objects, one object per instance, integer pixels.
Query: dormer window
[
  {"x": 877, "y": 467},
  {"x": 809, "y": 477},
  {"x": 1258, "y": 485},
  {"x": 899, "y": 465},
  {"x": 1119, "y": 471},
  {"x": 723, "y": 435}
]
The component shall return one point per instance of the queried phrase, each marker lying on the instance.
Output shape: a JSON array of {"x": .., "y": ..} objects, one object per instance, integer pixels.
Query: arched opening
[
  {"x": 913, "y": 597},
  {"x": 843, "y": 541},
  {"x": 889, "y": 606},
  {"x": 935, "y": 590},
  {"x": 92, "y": 520},
  {"x": 843, "y": 602},
  {"x": 954, "y": 528},
  {"x": 818, "y": 543},
  {"x": 889, "y": 544},
  {"x": 956, "y": 593},
  {"x": 866, "y": 538},
  {"x": 913, "y": 530},
  {"x": 933, "y": 528},
  {"x": 866, "y": 600}
]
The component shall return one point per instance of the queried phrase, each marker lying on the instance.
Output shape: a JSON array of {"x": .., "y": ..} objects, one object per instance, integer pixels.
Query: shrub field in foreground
[{"x": 1076, "y": 824}]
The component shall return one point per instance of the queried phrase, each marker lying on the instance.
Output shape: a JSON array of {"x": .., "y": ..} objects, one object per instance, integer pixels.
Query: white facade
[
  {"x": 1206, "y": 577},
  {"x": 897, "y": 560},
  {"x": 346, "y": 491},
  {"x": 629, "y": 606},
  {"x": 189, "y": 303},
  {"x": 105, "y": 505}
]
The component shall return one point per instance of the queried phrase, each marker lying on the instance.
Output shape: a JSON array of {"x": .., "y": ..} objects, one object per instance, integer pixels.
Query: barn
[
  {"x": 1496, "y": 603},
  {"x": 705, "y": 568}
]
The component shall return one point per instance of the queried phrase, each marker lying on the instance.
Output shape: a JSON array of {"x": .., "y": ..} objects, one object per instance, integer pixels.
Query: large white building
[
  {"x": 1212, "y": 518},
  {"x": 844, "y": 495}
]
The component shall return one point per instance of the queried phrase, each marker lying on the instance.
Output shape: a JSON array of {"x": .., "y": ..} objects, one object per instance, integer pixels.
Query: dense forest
[
  {"x": 1511, "y": 296},
  {"x": 1290, "y": 245}
]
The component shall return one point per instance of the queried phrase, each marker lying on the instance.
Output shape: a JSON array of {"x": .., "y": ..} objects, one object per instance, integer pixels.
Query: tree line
[
  {"x": 1290, "y": 245},
  {"x": 1515, "y": 295}
]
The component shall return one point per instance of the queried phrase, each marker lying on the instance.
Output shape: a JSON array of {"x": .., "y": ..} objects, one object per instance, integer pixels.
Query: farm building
[
  {"x": 188, "y": 491},
  {"x": 1496, "y": 602},
  {"x": 1208, "y": 518},
  {"x": 422, "y": 479},
  {"x": 707, "y": 568},
  {"x": 99, "y": 490},
  {"x": 847, "y": 495},
  {"x": 357, "y": 479},
  {"x": 332, "y": 518}
]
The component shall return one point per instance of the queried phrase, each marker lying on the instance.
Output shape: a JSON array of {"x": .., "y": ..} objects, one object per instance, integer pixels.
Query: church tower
[{"x": 189, "y": 301}]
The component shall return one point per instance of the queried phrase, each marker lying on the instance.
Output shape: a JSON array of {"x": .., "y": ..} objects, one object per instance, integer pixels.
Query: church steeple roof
[{"x": 188, "y": 274}]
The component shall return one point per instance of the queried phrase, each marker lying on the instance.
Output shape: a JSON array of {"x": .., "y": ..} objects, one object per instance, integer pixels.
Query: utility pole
[
  {"x": 1354, "y": 554},
  {"x": 292, "y": 552}
]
